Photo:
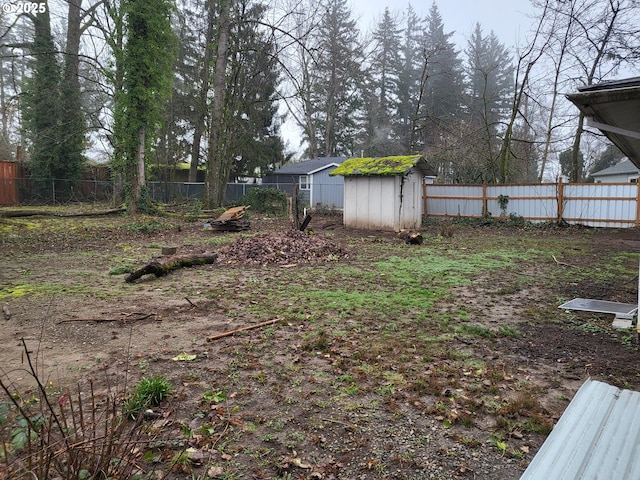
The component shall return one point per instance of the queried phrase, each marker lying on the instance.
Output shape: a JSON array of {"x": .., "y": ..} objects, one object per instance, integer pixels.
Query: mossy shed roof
[{"x": 383, "y": 166}]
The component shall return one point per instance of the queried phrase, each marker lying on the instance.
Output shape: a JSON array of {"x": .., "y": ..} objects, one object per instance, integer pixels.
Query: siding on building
[{"x": 383, "y": 202}]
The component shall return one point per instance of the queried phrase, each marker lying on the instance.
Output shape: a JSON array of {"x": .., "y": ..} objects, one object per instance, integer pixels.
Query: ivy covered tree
[
  {"x": 41, "y": 105},
  {"x": 52, "y": 106},
  {"x": 146, "y": 67},
  {"x": 72, "y": 120}
]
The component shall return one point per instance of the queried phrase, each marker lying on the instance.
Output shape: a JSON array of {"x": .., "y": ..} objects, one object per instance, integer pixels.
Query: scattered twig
[
  {"x": 191, "y": 303},
  {"x": 250, "y": 327},
  {"x": 560, "y": 263}
]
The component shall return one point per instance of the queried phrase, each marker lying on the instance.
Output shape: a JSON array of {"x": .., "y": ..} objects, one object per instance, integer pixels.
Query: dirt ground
[{"x": 467, "y": 410}]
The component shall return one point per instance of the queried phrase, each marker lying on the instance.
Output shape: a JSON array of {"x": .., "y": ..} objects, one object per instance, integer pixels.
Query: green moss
[{"x": 384, "y": 166}]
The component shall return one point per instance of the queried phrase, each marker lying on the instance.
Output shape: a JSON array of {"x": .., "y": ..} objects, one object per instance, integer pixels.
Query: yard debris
[
  {"x": 230, "y": 221},
  {"x": 184, "y": 357},
  {"x": 410, "y": 237},
  {"x": 127, "y": 317},
  {"x": 7, "y": 312},
  {"x": 250, "y": 327},
  {"x": 287, "y": 248},
  {"x": 162, "y": 266}
]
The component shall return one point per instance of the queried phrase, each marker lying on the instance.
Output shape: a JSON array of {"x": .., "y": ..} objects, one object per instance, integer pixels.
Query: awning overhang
[{"x": 614, "y": 109}]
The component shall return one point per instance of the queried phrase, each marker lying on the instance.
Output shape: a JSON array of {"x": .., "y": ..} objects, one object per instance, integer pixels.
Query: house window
[
  {"x": 633, "y": 180},
  {"x": 304, "y": 182}
]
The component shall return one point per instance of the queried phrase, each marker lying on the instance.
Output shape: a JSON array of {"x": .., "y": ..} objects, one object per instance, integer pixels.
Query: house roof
[
  {"x": 383, "y": 166},
  {"x": 309, "y": 167},
  {"x": 624, "y": 167},
  {"x": 598, "y": 436},
  {"x": 613, "y": 108}
]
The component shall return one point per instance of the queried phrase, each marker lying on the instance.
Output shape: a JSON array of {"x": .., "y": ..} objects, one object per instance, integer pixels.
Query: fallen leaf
[
  {"x": 215, "y": 471},
  {"x": 297, "y": 462},
  {"x": 184, "y": 357}
]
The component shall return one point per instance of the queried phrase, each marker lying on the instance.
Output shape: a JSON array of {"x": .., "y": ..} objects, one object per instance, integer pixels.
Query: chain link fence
[{"x": 29, "y": 191}]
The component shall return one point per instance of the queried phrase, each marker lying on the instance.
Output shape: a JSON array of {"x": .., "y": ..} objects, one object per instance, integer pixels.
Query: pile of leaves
[{"x": 292, "y": 247}]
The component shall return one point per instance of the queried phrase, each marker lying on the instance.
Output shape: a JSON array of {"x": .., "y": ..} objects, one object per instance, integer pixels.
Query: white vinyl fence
[{"x": 592, "y": 204}]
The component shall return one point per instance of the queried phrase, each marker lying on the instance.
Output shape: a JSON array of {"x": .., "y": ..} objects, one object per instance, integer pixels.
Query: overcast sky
[{"x": 507, "y": 18}]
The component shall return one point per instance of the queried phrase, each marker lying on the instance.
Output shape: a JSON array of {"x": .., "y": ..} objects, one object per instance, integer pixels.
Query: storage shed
[{"x": 384, "y": 193}]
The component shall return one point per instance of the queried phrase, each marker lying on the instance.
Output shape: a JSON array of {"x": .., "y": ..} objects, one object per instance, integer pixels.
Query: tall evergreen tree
[
  {"x": 147, "y": 60},
  {"x": 445, "y": 85},
  {"x": 490, "y": 75},
  {"x": 253, "y": 136},
  {"x": 380, "y": 98},
  {"x": 335, "y": 80},
  {"x": 411, "y": 55},
  {"x": 441, "y": 95}
]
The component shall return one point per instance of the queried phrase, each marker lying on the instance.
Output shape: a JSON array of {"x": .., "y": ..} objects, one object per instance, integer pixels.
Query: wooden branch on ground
[
  {"x": 560, "y": 263},
  {"x": 47, "y": 213},
  {"x": 250, "y": 327},
  {"x": 142, "y": 317},
  {"x": 162, "y": 266}
]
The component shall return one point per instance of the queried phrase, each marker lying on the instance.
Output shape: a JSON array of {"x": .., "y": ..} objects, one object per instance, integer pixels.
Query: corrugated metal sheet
[{"x": 597, "y": 437}]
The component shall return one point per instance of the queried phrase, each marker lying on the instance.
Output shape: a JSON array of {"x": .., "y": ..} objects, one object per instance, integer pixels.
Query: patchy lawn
[{"x": 444, "y": 360}]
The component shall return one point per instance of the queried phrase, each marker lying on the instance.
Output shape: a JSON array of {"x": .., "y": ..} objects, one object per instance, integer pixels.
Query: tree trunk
[
  {"x": 201, "y": 103},
  {"x": 216, "y": 180}
]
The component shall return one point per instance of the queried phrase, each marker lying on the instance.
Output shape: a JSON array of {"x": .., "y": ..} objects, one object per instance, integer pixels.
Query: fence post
[
  {"x": 638, "y": 207},
  {"x": 484, "y": 200},
  {"x": 424, "y": 198},
  {"x": 560, "y": 199}
]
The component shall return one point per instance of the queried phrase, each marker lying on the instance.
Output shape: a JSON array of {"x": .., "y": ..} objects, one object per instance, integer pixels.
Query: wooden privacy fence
[
  {"x": 8, "y": 183},
  {"x": 592, "y": 204}
]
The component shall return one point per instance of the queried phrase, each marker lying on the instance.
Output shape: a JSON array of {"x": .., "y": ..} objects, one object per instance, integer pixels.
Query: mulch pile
[{"x": 287, "y": 248}]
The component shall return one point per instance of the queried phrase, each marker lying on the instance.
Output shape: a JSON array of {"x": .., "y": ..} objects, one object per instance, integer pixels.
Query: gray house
[
  {"x": 622, "y": 172},
  {"x": 315, "y": 186}
]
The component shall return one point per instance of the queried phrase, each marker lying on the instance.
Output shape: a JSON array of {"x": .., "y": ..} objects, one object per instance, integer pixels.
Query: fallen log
[
  {"x": 127, "y": 318},
  {"x": 164, "y": 265},
  {"x": 48, "y": 213},
  {"x": 250, "y": 327}
]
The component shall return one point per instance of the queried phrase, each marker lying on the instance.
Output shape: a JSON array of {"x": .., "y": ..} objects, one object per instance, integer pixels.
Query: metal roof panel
[
  {"x": 614, "y": 107},
  {"x": 597, "y": 437}
]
